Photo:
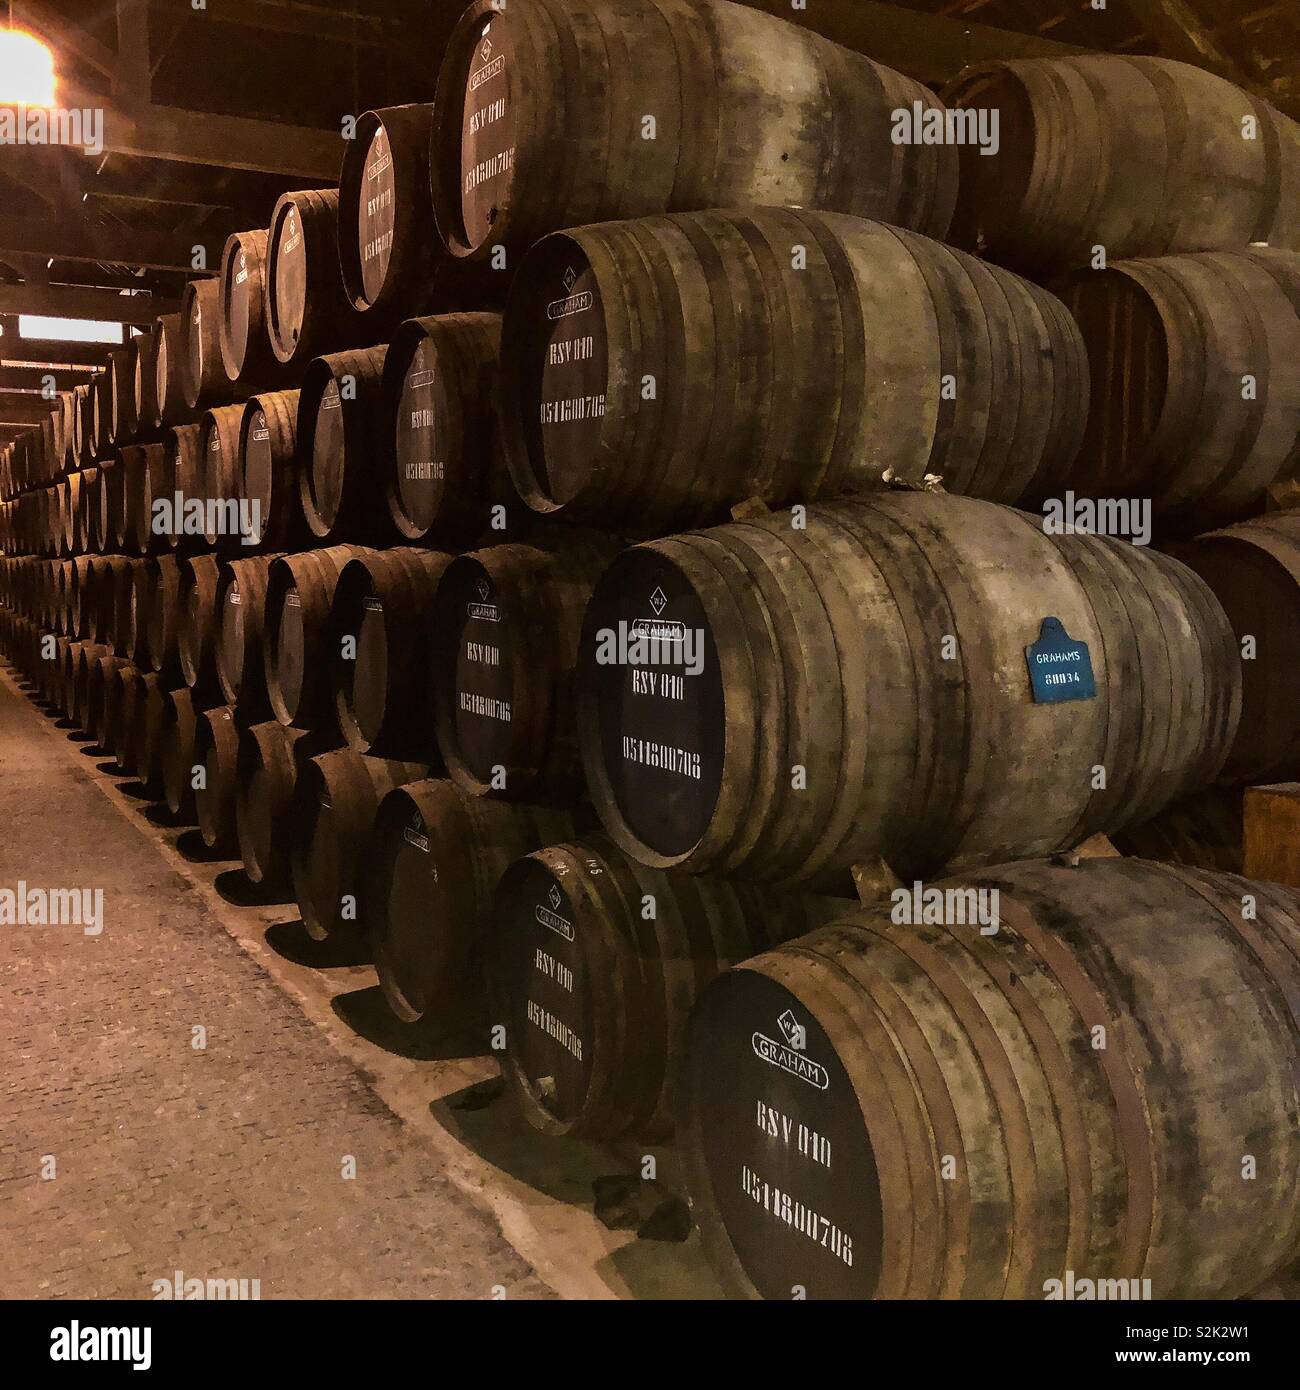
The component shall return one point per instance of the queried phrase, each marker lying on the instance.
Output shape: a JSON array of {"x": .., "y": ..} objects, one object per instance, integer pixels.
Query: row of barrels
[
  {"x": 601, "y": 392},
  {"x": 567, "y": 669},
  {"x": 726, "y": 107},
  {"x": 1055, "y": 1083}
]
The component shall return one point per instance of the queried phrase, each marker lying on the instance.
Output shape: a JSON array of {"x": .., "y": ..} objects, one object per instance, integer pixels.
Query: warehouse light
[{"x": 26, "y": 70}]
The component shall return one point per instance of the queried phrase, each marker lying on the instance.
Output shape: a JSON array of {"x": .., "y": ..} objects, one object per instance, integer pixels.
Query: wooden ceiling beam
[
  {"x": 29, "y": 378},
  {"x": 55, "y": 30},
  {"x": 124, "y": 245},
  {"x": 77, "y": 302},
  {"x": 1178, "y": 31}
]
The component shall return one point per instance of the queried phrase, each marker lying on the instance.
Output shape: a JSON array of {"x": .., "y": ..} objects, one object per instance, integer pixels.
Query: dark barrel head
[
  {"x": 421, "y": 438},
  {"x": 655, "y": 725},
  {"x": 418, "y": 899},
  {"x": 258, "y": 466},
  {"x": 376, "y": 213},
  {"x": 241, "y": 294},
  {"x": 318, "y": 856},
  {"x": 359, "y": 630},
  {"x": 327, "y": 430},
  {"x": 489, "y": 127},
  {"x": 289, "y": 653},
  {"x": 540, "y": 982},
  {"x": 193, "y": 365},
  {"x": 231, "y": 639},
  {"x": 557, "y": 373},
  {"x": 476, "y": 670},
  {"x": 779, "y": 1153},
  {"x": 286, "y": 279}
]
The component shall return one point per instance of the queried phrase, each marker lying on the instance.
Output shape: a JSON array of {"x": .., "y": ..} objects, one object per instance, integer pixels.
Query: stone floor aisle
[{"x": 223, "y": 1162}]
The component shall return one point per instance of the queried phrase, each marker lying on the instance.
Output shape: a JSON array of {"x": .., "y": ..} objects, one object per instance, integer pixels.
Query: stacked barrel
[{"x": 382, "y": 574}]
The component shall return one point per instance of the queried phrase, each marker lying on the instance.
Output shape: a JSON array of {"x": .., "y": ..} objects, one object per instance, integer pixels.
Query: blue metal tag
[{"x": 1059, "y": 667}]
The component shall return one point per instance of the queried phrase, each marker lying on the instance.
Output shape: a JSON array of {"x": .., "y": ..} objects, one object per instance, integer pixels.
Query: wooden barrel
[
  {"x": 216, "y": 752},
  {"x": 198, "y": 624},
  {"x": 335, "y": 802},
  {"x": 445, "y": 466},
  {"x": 85, "y": 659},
  {"x": 98, "y": 711},
  {"x": 1195, "y": 403},
  {"x": 179, "y": 732},
  {"x": 267, "y": 771},
  {"x": 246, "y": 354},
  {"x": 223, "y": 524},
  {"x": 203, "y": 374},
  {"x": 654, "y": 373},
  {"x": 139, "y": 601},
  {"x": 144, "y": 378},
  {"x": 102, "y": 586},
  {"x": 1204, "y": 831},
  {"x": 150, "y": 479},
  {"x": 124, "y": 698},
  {"x": 147, "y": 734},
  {"x": 241, "y": 608},
  {"x": 679, "y": 107},
  {"x": 86, "y": 526},
  {"x": 268, "y": 470},
  {"x": 163, "y": 616},
  {"x": 972, "y": 1115},
  {"x": 1214, "y": 168},
  {"x": 430, "y": 868},
  {"x": 103, "y": 388},
  {"x": 80, "y": 600},
  {"x": 914, "y": 663},
  {"x": 83, "y": 423},
  {"x": 300, "y": 593},
  {"x": 1254, "y": 571},
  {"x": 307, "y": 310},
  {"x": 111, "y": 496},
  {"x": 340, "y": 444},
  {"x": 169, "y": 357},
  {"x": 121, "y": 394},
  {"x": 392, "y": 263},
  {"x": 593, "y": 963},
  {"x": 72, "y": 513},
  {"x": 504, "y": 637},
  {"x": 186, "y": 459},
  {"x": 379, "y": 650}
]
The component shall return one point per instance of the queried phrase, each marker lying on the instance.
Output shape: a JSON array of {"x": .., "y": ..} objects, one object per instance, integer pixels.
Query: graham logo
[
  {"x": 658, "y": 601},
  {"x": 486, "y": 50},
  {"x": 484, "y": 590},
  {"x": 420, "y": 842},
  {"x": 658, "y": 630},
  {"x": 572, "y": 303},
  {"x": 484, "y": 610},
  {"x": 418, "y": 379},
  {"x": 789, "y": 1055},
  {"x": 552, "y": 920}
]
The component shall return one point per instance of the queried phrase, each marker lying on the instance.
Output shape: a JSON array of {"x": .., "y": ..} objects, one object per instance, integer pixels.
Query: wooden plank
[
  {"x": 54, "y": 29},
  {"x": 351, "y": 26},
  {"x": 1179, "y": 33},
  {"x": 29, "y": 378},
  {"x": 15, "y": 351},
  {"x": 229, "y": 142},
  {"x": 1273, "y": 833},
  {"x": 16, "y": 409},
  {"x": 929, "y": 47},
  {"x": 67, "y": 241},
  {"x": 133, "y": 73},
  {"x": 72, "y": 302}
]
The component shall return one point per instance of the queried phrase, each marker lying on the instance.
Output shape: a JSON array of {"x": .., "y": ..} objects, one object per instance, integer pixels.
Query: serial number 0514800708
[{"x": 799, "y": 1217}]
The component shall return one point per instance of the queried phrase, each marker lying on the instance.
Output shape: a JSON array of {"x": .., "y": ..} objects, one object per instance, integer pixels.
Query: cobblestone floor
[{"x": 221, "y": 1161}]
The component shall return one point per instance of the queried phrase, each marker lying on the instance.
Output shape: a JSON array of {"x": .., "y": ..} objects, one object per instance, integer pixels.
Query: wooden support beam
[
  {"x": 351, "y": 26},
  {"x": 928, "y": 47},
  {"x": 28, "y": 378},
  {"x": 155, "y": 250},
  {"x": 17, "y": 409},
  {"x": 133, "y": 73},
  {"x": 1177, "y": 30},
  {"x": 15, "y": 351},
  {"x": 229, "y": 142},
  {"x": 72, "y": 302}
]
